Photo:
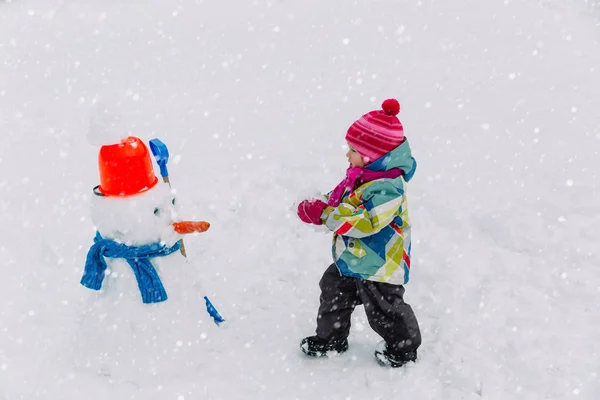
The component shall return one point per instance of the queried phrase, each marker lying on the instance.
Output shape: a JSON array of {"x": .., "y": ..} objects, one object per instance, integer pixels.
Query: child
[{"x": 367, "y": 213}]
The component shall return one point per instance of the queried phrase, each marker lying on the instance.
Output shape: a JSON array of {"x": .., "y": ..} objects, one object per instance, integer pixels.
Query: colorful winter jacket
[{"x": 371, "y": 227}]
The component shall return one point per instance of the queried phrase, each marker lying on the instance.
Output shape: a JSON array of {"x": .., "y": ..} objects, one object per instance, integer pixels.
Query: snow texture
[
  {"x": 500, "y": 102},
  {"x": 106, "y": 126}
]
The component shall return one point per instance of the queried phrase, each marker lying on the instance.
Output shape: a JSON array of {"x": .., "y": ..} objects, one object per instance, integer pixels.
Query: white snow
[
  {"x": 500, "y": 102},
  {"x": 106, "y": 125}
]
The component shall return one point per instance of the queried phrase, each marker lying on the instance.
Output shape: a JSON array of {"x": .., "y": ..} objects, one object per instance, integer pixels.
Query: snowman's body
[
  {"x": 135, "y": 342},
  {"x": 122, "y": 338}
]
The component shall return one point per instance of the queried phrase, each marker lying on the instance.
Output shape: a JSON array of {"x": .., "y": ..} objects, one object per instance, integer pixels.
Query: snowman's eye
[{"x": 157, "y": 211}]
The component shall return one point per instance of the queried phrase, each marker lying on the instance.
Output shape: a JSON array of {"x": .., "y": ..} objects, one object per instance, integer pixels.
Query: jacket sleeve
[{"x": 379, "y": 207}]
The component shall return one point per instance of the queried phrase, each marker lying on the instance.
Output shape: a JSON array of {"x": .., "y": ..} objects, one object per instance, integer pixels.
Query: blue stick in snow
[{"x": 161, "y": 155}]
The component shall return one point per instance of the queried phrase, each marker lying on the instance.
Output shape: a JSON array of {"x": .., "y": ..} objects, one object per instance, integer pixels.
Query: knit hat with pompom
[{"x": 377, "y": 133}]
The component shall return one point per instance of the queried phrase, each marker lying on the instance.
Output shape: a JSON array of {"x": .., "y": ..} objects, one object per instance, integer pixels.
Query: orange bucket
[{"x": 125, "y": 168}]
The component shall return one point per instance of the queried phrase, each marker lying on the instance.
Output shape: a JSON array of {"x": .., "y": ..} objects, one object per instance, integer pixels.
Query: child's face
[{"x": 354, "y": 158}]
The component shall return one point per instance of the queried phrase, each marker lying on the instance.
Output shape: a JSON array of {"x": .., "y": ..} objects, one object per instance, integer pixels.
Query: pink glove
[{"x": 310, "y": 211}]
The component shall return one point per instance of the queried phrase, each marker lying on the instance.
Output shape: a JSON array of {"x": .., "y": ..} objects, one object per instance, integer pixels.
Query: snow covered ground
[{"x": 500, "y": 100}]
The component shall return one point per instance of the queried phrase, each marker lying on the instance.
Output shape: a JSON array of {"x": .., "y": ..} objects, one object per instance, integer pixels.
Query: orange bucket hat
[{"x": 125, "y": 168}]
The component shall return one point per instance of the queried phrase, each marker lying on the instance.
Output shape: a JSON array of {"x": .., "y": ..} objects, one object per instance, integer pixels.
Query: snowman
[{"x": 145, "y": 321}]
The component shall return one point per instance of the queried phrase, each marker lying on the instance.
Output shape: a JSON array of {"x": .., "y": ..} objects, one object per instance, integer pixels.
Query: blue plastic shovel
[{"x": 161, "y": 155}]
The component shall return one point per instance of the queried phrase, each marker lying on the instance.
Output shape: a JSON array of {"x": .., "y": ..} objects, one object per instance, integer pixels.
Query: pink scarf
[{"x": 362, "y": 175}]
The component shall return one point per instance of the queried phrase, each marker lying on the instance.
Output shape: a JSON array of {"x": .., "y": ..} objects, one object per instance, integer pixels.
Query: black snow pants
[{"x": 388, "y": 314}]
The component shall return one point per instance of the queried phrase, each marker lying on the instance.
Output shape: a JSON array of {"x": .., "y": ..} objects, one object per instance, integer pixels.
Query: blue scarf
[{"x": 151, "y": 288}]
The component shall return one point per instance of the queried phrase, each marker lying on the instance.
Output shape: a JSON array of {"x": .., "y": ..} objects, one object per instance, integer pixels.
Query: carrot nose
[{"x": 185, "y": 227}]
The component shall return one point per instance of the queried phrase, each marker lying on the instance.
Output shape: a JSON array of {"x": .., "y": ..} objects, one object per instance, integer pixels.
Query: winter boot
[
  {"x": 314, "y": 346},
  {"x": 390, "y": 357}
]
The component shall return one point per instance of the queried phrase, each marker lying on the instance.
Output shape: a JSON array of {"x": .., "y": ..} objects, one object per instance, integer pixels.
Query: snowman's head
[{"x": 135, "y": 220}]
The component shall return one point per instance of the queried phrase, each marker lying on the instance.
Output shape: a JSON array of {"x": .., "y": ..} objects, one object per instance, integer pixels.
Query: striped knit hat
[{"x": 377, "y": 132}]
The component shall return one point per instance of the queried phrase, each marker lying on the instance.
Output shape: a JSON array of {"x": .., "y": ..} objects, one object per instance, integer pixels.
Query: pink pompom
[{"x": 391, "y": 107}]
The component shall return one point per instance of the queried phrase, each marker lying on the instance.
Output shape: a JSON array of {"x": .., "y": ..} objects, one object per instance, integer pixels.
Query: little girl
[{"x": 367, "y": 213}]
